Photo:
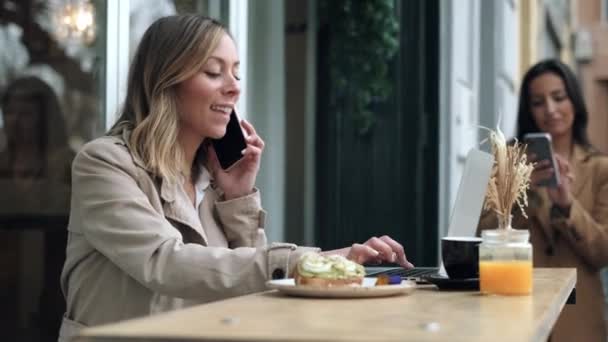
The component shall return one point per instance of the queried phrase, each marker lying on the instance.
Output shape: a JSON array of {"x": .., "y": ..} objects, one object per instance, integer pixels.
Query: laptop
[{"x": 465, "y": 213}]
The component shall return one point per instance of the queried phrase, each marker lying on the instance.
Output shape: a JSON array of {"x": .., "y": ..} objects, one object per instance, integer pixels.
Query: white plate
[{"x": 368, "y": 289}]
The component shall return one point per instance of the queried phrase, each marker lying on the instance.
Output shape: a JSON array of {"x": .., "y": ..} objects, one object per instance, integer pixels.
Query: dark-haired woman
[{"x": 569, "y": 223}]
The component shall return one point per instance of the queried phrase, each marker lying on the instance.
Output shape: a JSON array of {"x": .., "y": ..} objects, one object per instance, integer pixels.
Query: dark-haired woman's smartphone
[
  {"x": 540, "y": 145},
  {"x": 229, "y": 147}
]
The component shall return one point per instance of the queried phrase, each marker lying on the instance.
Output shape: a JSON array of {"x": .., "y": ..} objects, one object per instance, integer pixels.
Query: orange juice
[{"x": 511, "y": 277}]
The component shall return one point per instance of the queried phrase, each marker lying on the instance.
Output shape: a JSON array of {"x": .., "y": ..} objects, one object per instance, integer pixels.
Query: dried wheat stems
[{"x": 509, "y": 180}]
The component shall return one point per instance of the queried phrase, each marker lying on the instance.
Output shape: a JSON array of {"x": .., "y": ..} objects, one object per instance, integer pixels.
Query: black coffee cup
[{"x": 460, "y": 256}]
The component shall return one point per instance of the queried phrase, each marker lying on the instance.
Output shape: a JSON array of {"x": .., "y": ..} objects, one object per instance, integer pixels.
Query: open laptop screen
[{"x": 466, "y": 210}]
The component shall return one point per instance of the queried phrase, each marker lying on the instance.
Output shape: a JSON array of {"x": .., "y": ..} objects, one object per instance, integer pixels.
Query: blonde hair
[{"x": 172, "y": 49}]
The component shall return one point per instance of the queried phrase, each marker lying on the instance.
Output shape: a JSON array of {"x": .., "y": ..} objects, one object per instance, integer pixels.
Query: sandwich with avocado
[{"x": 327, "y": 271}]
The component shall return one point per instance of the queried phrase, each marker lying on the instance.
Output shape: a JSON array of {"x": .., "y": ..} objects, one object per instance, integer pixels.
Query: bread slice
[{"x": 326, "y": 282}]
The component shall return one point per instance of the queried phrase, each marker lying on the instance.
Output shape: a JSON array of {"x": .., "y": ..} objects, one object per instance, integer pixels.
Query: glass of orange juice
[{"x": 505, "y": 262}]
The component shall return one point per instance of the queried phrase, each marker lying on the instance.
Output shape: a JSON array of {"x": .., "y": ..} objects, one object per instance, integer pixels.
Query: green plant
[{"x": 363, "y": 40}]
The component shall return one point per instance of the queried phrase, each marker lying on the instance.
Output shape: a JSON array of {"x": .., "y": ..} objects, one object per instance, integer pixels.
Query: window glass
[
  {"x": 52, "y": 67},
  {"x": 145, "y": 12},
  {"x": 50, "y": 81}
]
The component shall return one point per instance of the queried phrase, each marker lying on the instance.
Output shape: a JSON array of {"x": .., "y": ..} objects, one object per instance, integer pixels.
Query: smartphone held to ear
[
  {"x": 540, "y": 145},
  {"x": 229, "y": 147}
]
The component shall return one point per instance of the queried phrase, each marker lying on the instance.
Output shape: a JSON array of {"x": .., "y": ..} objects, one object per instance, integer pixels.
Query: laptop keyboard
[{"x": 416, "y": 272}]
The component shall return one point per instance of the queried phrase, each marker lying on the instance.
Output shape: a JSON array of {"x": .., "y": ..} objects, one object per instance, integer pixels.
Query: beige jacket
[
  {"x": 137, "y": 246},
  {"x": 580, "y": 241}
]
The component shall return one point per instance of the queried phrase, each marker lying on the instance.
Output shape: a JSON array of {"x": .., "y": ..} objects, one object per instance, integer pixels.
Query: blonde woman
[{"x": 155, "y": 223}]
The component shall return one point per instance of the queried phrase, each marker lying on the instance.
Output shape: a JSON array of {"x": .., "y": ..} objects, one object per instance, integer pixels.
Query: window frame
[{"x": 117, "y": 58}]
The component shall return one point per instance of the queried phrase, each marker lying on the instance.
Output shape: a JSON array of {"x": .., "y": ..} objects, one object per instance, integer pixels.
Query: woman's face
[
  {"x": 550, "y": 104},
  {"x": 206, "y": 99}
]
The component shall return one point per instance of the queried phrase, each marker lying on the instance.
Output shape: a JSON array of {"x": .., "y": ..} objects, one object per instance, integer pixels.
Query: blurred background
[{"x": 368, "y": 109}]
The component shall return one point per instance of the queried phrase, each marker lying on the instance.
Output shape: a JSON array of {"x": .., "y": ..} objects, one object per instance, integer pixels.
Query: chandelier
[{"x": 75, "y": 21}]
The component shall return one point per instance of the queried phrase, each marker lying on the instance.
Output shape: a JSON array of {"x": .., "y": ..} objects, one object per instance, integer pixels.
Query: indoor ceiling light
[{"x": 75, "y": 21}]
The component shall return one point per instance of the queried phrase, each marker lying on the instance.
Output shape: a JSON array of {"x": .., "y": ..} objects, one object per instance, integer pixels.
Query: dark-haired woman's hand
[
  {"x": 542, "y": 170},
  {"x": 561, "y": 195},
  {"x": 239, "y": 180}
]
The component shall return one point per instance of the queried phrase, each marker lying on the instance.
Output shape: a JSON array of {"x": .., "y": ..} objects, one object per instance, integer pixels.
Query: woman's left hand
[
  {"x": 239, "y": 180},
  {"x": 561, "y": 195},
  {"x": 374, "y": 251}
]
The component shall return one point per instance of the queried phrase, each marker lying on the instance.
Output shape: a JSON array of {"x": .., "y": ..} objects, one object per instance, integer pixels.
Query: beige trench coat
[
  {"x": 137, "y": 246},
  {"x": 579, "y": 241}
]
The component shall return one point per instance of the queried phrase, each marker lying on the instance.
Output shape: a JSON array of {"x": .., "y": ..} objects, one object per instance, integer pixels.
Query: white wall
[
  {"x": 266, "y": 104},
  {"x": 499, "y": 65},
  {"x": 478, "y": 79},
  {"x": 459, "y": 96},
  {"x": 238, "y": 23}
]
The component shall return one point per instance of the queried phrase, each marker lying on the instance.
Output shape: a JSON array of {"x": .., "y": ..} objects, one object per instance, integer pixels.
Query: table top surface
[{"x": 427, "y": 314}]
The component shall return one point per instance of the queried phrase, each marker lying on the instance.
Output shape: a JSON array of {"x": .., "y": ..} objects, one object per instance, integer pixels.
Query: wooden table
[{"x": 425, "y": 315}]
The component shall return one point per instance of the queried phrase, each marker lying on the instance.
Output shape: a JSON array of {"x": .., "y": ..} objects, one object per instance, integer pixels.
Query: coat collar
[
  {"x": 168, "y": 191},
  {"x": 177, "y": 207},
  {"x": 581, "y": 168},
  {"x": 125, "y": 140},
  {"x": 176, "y": 204}
]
